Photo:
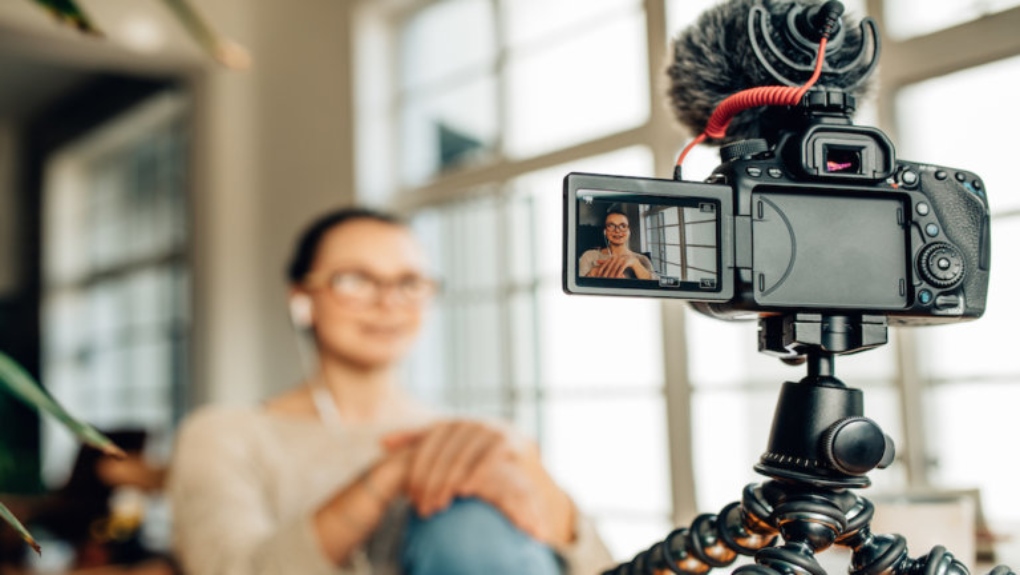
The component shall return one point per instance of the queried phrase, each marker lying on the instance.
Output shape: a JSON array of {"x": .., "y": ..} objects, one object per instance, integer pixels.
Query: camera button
[
  {"x": 941, "y": 175},
  {"x": 932, "y": 230},
  {"x": 976, "y": 185},
  {"x": 947, "y": 301},
  {"x": 909, "y": 178},
  {"x": 923, "y": 209},
  {"x": 924, "y": 296},
  {"x": 753, "y": 171},
  {"x": 775, "y": 173},
  {"x": 960, "y": 177}
]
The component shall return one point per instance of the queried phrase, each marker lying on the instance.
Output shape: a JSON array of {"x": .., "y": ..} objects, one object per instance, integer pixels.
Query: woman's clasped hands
[
  {"x": 461, "y": 458},
  {"x": 616, "y": 265}
]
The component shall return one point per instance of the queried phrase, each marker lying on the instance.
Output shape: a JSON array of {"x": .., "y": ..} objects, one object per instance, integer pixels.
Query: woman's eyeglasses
[
  {"x": 361, "y": 288},
  {"x": 618, "y": 227}
]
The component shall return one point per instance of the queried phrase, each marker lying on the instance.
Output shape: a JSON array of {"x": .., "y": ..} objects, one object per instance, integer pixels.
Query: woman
[
  {"x": 616, "y": 260},
  {"x": 345, "y": 473}
]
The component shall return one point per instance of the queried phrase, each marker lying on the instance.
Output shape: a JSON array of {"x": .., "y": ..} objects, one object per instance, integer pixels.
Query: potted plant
[{"x": 17, "y": 382}]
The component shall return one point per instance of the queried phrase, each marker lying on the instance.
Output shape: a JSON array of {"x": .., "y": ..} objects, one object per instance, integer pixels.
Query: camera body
[{"x": 826, "y": 220}]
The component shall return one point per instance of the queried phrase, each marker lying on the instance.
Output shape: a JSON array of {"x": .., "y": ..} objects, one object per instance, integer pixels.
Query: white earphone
[{"x": 301, "y": 311}]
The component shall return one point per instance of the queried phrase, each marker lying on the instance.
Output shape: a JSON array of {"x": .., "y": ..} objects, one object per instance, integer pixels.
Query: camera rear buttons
[
  {"x": 947, "y": 301},
  {"x": 922, "y": 208},
  {"x": 908, "y": 178}
]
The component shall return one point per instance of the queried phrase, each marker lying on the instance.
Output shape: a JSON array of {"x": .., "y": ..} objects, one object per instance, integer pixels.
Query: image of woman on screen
[{"x": 616, "y": 259}]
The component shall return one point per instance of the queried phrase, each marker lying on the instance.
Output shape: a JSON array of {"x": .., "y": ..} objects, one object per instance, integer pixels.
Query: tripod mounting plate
[{"x": 793, "y": 335}]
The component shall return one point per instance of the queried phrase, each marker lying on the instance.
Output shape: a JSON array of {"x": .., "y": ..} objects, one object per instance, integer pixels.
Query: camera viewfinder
[{"x": 842, "y": 160}]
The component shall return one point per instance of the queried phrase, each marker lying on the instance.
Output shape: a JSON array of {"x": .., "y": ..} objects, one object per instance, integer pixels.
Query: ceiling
[{"x": 37, "y": 67}]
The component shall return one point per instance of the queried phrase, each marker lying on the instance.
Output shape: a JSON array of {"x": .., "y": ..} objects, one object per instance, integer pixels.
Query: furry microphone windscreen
[{"x": 714, "y": 58}]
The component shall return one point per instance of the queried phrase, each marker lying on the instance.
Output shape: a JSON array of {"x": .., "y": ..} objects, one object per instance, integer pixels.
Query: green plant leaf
[
  {"x": 224, "y": 51},
  {"x": 11, "y": 520},
  {"x": 68, "y": 12},
  {"x": 21, "y": 385}
]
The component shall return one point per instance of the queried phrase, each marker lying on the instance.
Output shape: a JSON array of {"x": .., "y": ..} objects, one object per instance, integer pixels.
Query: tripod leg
[
  {"x": 810, "y": 521},
  {"x": 887, "y": 554},
  {"x": 711, "y": 540}
]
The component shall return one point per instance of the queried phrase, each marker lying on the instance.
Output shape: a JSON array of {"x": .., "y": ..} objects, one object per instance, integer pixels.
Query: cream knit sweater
[{"x": 244, "y": 484}]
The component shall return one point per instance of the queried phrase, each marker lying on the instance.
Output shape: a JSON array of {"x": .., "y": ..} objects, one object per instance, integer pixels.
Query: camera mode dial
[
  {"x": 941, "y": 265},
  {"x": 743, "y": 149}
]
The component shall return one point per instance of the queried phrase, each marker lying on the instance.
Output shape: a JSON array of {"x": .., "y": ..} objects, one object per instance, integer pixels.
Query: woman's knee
[{"x": 471, "y": 536}]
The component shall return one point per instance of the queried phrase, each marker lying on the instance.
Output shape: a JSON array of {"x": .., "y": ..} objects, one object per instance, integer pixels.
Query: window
[
  {"x": 682, "y": 242},
  {"x": 642, "y": 432},
  {"x": 971, "y": 381},
  {"x": 116, "y": 281},
  {"x": 912, "y": 18},
  {"x": 481, "y": 79},
  {"x": 561, "y": 367}
]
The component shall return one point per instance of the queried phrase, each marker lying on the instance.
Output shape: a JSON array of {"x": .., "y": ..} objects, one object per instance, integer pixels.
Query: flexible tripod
[{"x": 821, "y": 446}]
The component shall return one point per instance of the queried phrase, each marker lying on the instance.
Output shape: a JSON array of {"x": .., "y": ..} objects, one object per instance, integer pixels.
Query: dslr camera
[{"x": 806, "y": 212}]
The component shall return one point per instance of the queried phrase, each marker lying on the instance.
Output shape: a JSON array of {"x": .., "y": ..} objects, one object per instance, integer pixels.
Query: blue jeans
[{"x": 473, "y": 538}]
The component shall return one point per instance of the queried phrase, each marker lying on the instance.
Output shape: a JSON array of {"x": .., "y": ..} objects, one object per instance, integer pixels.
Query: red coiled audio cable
[{"x": 752, "y": 98}]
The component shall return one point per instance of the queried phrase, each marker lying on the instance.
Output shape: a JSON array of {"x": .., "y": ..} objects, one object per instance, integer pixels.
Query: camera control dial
[
  {"x": 941, "y": 265},
  {"x": 743, "y": 149}
]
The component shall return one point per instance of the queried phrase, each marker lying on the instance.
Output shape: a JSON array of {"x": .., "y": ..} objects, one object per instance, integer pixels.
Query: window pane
[
  {"x": 426, "y": 369},
  {"x": 472, "y": 247},
  {"x": 587, "y": 86},
  {"x": 524, "y": 342},
  {"x": 480, "y": 337},
  {"x": 526, "y": 21},
  {"x": 610, "y": 452},
  {"x": 108, "y": 234},
  {"x": 973, "y": 360},
  {"x": 907, "y": 18},
  {"x": 627, "y": 536},
  {"x": 523, "y": 250},
  {"x": 986, "y": 347},
  {"x": 447, "y": 38},
  {"x": 425, "y": 372},
  {"x": 731, "y": 431},
  {"x": 116, "y": 319},
  {"x": 453, "y": 127},
  {"x": 970, "y": 426},
  {"x": 461, "y": 357},
  {"x": 982, "y": 343},
  {"x": 67, "y": 205},
  {"x": 937, "y": 126},
  {"x": 589, "y": 341},
  {"x": 64, "y": 316}
]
